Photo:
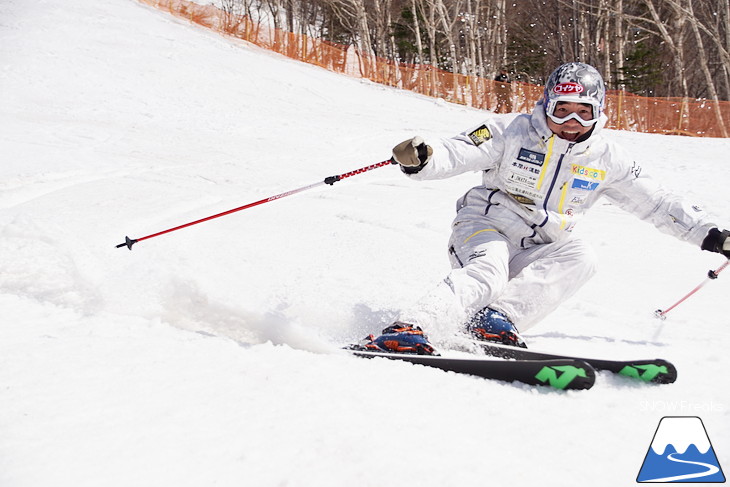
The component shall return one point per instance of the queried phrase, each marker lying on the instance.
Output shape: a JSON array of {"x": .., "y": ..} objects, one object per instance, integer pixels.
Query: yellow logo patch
[
  {"x": 588, "y": 172},
  {"x": 480, "y": 135}
]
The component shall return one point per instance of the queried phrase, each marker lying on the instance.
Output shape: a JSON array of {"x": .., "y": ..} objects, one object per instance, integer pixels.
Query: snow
[
  {"x": 209, "y": 356},
  {"x": 680, "y": 433}
]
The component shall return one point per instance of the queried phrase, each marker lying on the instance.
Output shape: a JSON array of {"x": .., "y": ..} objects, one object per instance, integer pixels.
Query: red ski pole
[
  {"x": 711, "y": 275},
  {"x": 128, "y": 242}
]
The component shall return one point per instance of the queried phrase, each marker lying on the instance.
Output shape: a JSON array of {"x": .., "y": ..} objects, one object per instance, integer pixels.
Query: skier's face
[{"x": 571, "y": 129}]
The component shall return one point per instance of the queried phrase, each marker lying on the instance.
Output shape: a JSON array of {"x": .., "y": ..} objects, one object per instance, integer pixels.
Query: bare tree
[
  {"x": 417, "y": 31},
  {"x": 686, "y": 42},
  {"x": 702, "y": 58},
  {"x": 352, "y": 16}
]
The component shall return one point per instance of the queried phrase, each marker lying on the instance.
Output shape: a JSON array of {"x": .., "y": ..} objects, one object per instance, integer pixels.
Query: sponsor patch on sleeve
[{"x": 480, "y": 135}]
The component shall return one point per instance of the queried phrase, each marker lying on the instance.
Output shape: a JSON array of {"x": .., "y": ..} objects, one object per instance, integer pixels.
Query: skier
[
  {"x": 503, "y": 89},
  {"x": 514, "y": 259}
]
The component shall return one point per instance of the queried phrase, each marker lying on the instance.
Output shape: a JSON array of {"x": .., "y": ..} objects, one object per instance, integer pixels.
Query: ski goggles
[{"x": 586, "y": 122}]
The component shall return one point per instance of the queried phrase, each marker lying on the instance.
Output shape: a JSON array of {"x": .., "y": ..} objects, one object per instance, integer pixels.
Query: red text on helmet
[{"x": 568, "y": 88}]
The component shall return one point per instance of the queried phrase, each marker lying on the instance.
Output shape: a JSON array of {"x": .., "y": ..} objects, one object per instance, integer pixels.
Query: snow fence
[{"x": 625, "y": 111}]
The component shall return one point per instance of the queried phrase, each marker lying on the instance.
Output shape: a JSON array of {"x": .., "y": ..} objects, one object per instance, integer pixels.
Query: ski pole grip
[{"x": 331, "y": 180}]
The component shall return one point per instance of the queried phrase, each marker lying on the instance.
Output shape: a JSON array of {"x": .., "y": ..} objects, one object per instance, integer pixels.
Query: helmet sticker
[{"x": 568, "y": 88}]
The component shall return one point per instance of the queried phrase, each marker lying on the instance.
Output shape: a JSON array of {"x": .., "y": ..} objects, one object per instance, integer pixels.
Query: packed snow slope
[{"x": 209, "y": 356}]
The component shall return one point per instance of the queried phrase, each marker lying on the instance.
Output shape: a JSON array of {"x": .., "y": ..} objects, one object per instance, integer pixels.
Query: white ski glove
[
  {"x": 412, "y": 154},
  {"x": 717, "y": 241}
]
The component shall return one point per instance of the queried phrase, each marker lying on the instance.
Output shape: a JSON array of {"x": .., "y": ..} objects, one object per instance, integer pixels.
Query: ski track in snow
[{"x": 209, "y": 356}]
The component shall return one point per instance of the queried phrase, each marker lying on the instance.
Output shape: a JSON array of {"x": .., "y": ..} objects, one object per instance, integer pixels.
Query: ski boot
[
  {"x": 492, "y": 326},
  {"x": 400, "y": 338}
]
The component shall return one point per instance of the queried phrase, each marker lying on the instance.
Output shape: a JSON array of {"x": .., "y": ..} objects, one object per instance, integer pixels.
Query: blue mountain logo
[{"x": 681, "y": 452}]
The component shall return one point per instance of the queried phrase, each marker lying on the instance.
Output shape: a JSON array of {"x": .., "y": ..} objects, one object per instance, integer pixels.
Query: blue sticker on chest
[{"x": 584, "y": 185}]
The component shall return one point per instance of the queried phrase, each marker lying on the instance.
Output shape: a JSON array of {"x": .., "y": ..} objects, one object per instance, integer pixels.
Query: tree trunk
[
  {"x": 702, "y": 57},
  {"x": 676, "y": 47},
  {"x": 619, "y": 40},
  {"x": 417, "y": 32}
]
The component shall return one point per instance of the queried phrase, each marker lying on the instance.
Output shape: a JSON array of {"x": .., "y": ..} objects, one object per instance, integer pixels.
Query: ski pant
[{"x": 526, "y": 284}]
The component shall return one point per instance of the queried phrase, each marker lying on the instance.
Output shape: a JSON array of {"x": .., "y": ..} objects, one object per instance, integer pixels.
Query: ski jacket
[{"x": 537, "y": 186}]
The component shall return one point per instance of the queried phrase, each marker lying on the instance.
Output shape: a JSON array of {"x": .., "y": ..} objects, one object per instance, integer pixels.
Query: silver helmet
[{"x": 575, "y": 82}]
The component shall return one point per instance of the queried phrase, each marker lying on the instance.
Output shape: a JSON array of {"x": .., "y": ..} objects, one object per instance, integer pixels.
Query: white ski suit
[{"x": 511, "y": 247}]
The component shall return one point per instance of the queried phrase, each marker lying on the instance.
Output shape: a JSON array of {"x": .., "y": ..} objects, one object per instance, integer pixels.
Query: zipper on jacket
[
  {"x": 550, "y": 191},
  {"x": 452, "y": 251},
  {"x": 561, "y": 204},
  {"x": 552, "y": 183}
]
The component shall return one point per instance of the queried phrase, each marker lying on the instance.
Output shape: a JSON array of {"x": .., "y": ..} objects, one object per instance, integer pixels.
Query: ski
[
  {"x": 657, "y": 370},
  {"x": 560, "y": 373}
]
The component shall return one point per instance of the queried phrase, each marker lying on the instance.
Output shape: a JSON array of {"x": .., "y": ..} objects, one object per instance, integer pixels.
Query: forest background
[{"x": 657, "y": 48}]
